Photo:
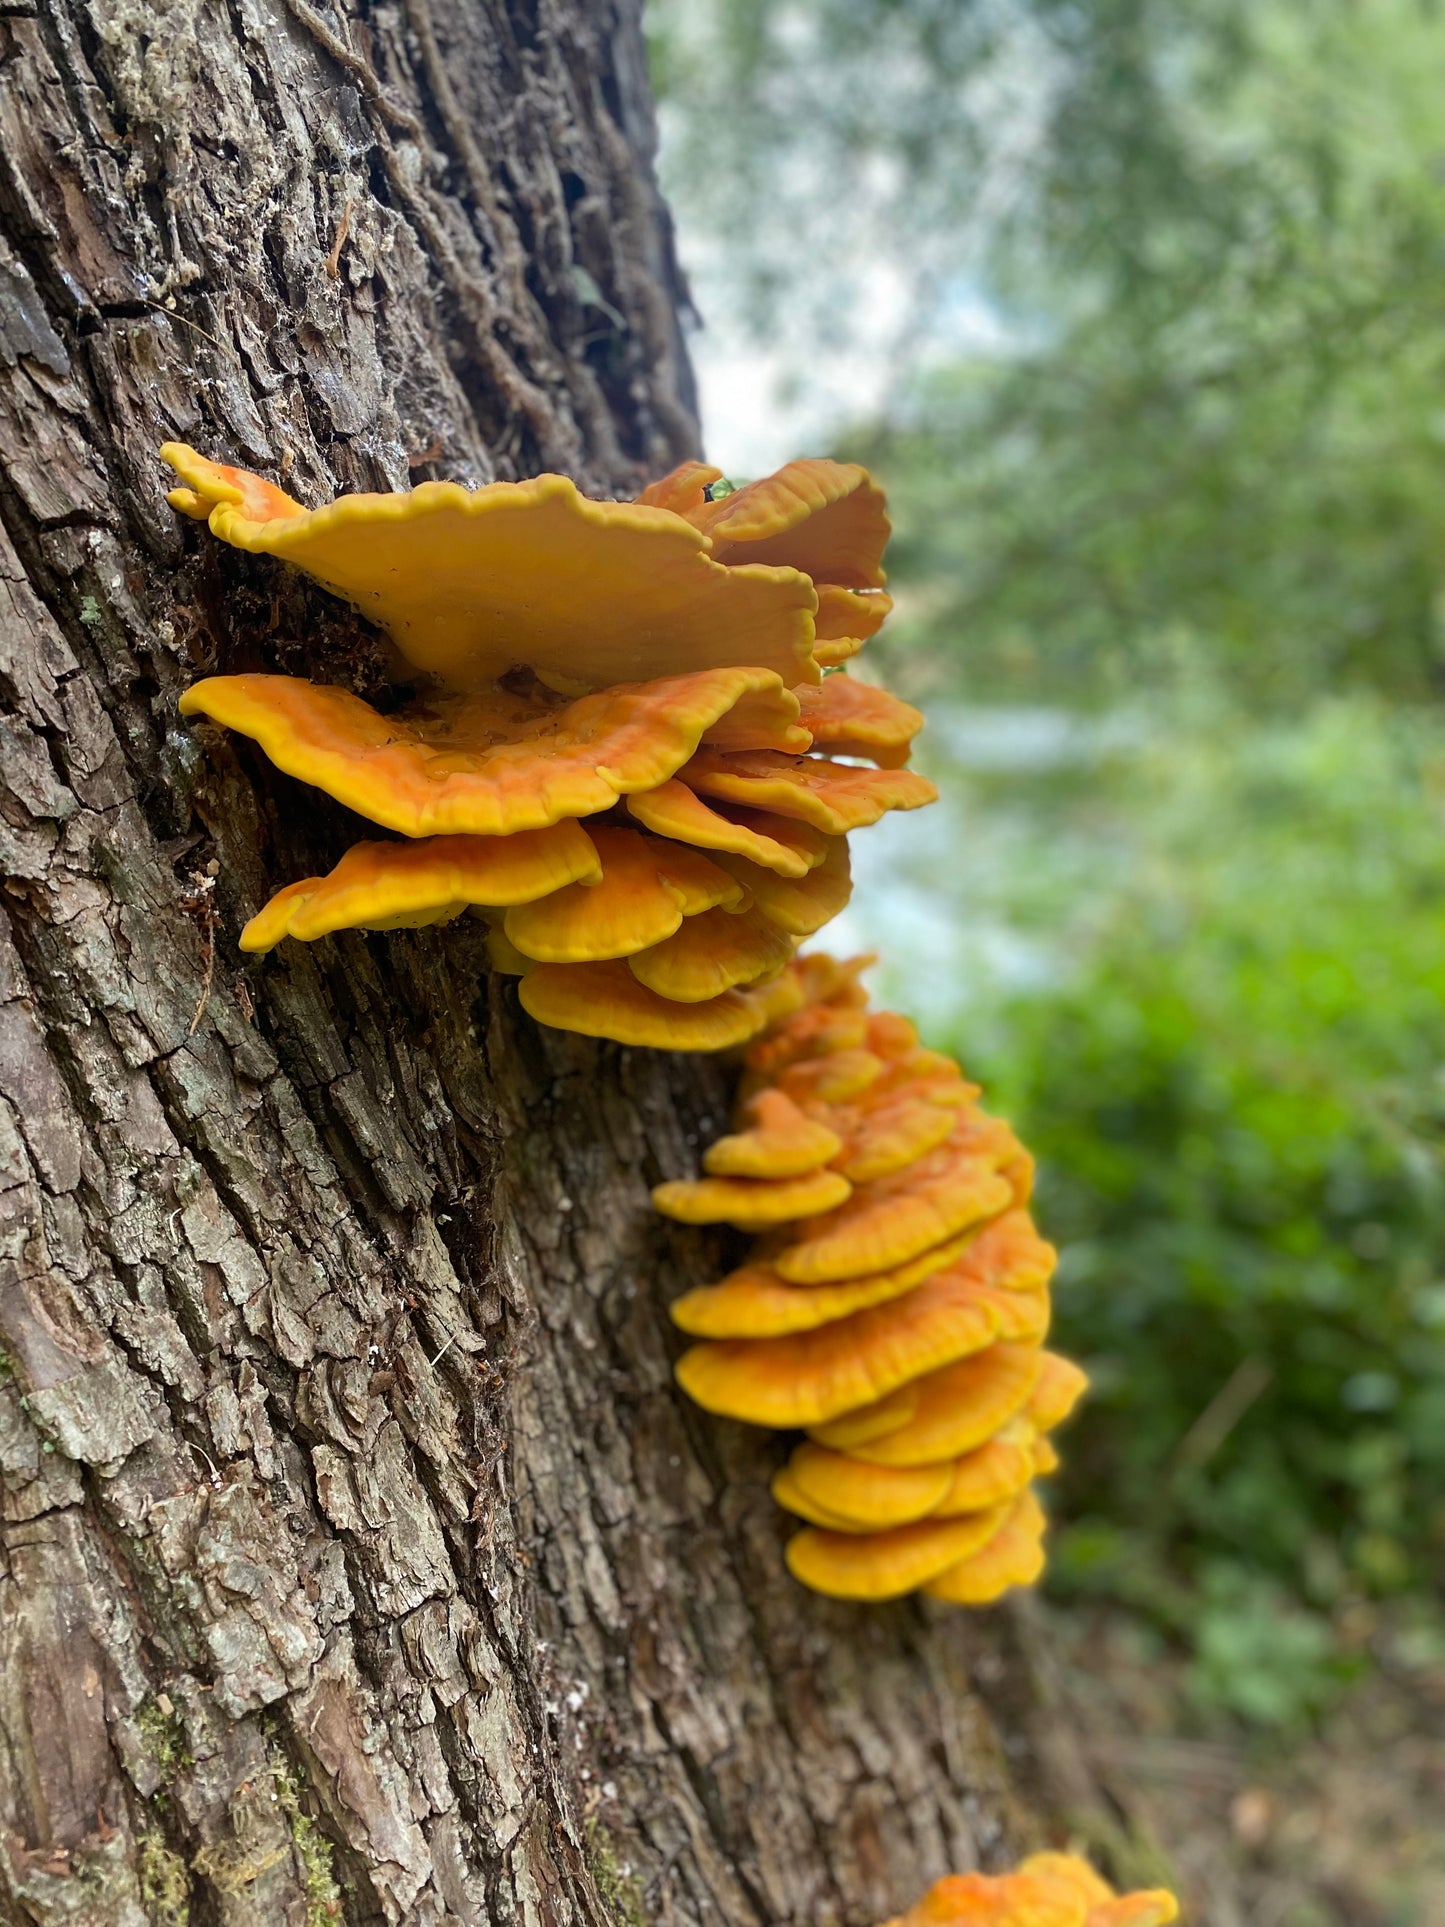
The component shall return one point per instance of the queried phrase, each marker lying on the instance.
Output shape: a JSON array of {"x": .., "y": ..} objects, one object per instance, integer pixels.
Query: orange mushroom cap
[
  {"x": 775, "y": 997},
  {"x": 952, "y": 1410},
  {"x": 648, "y": 887},
  {"x": 890, "y": 1033},
  {"x": 929, "y": 1072},
  {"x": 482, "y": 765},
  {"x": 893, "y": 1219},
  {"x": 846, "y": 617},
  {"x": 834, "y": 980},
  {"x": 1154, "y": 1908},
  {"x": 1061, "y": 1385},
  {"x": 825, "y": 518},
  {"x": 852, "y": 718},
  {"x": 832, "y": 1079},
  {"x": 964, "y": 1900},
  {"x": 849, "y": 1495},
  {"x": 845, "y": 620},
  {"x": 780, "y": 1142},
  {"x": 1011, "y": 1900},
  {"x": 810, "y": 1377},
  {"x": 606, "y": 1000},
  {"x": 712, "y": 953},
  {"x": 1013, "y": 1556},
  {"x": 885, "y": 1565},
  {"x": 814, "y": 1031},
  {"x": 469, "y": 583},
  {"x": 1023, "y": 1317},
  {"x": 776, "y": 842},
  {"x": 389, "y": 886},
  {"x": 684, "y": 490},
  {"x": 749, "y": 1203},
  {"x": 991, "y": 1474},
  {"x": 756, "y": 1303},
  {"x": 836, "y": 797},
  {"x": 888, "y": 1135},
  {"x": 798, "y": 905},
  {"x": 1048, "y": 1890}
]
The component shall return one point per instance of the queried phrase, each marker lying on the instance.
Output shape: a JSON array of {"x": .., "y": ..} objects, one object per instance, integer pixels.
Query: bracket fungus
[
  {"x": 900, "y": 1325},
  {"x": 666, "y": 670},
  {"x": 1047, "y": 1890}
]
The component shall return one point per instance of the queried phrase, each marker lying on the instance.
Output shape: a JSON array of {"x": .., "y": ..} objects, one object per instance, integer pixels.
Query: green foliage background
[{"x": 1193, "y": 496}]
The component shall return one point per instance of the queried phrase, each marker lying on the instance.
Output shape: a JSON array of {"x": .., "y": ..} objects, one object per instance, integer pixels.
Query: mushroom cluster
[
  {"x": 669, "y": 670},
  {"x": 893, "y": 1308},
  {"x": 1048, "y": 1890}
]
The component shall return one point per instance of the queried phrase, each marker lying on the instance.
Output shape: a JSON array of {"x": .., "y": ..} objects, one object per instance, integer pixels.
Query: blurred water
[{"x": 989, "y": 891}]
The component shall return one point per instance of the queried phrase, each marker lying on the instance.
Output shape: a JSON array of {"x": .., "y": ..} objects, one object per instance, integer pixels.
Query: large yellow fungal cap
[
  {"x": 845, "y": 620},
  {"x": 799, "y": 905},
  {"x": 862, "y": 1497},
  {"x": 752, "y": 1204},
  {"x": 471, "y": 583},
  {"x": 852, "y": 718},
  {"x": 1014, "y": 1556},
  {"x": 885, "y": 1565},
  {"x": 890, "y": 1133},
  {"x": 993, "y": 1473},
  {"x": 826, "y": 518},
  {"x": 647, "y": 887},
  {"x": 836, "y": 797},
  {"x": 487, "y": 765},
  {"x": 779, "y": 1142},
  {"x": 953, "y": 1410},
  {"x": 712, "y": 953},
  {"x": 389, "y": 886},
  {"x": 812, "y": 1376},
  {"x": 756, "y": 1303},
  {"x": 1061, "y": 1385},
  {"x": 1048, "y": 1890},
  {"x": 606, "y": 1000},
  {"x": 775, "y": 842},
  {"x": 895, "y": 1218}
]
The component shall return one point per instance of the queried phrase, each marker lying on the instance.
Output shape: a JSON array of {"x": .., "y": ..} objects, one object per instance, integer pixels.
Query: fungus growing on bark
[
  {"x": 470, "y": 582},
  {"x": 392, "y": 886},
  {"x": 575, "y": 658},
  {"x": 901, "y": 1327},
  {"x": 646, "y": 888},
  {"x": 780, "y": 1141},
  {"x": 1047, "y": 1890}
]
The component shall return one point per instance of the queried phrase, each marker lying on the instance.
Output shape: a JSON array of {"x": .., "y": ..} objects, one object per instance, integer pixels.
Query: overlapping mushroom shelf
[
  {"x": 1048, "y": 1890},
  {"x": 893, "y": 1308},
  {"x": 668, "y": 670}
]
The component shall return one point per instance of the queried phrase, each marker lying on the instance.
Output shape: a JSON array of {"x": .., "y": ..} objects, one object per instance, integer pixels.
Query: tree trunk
[{"x": 362, "y": 1562}]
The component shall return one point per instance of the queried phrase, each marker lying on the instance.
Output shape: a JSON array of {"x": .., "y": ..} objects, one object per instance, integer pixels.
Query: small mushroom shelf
[
  {"x": 1048, "y": 1890},
  {"x": 625, "y": 751},
  {"x": 893, "y": 1308}
]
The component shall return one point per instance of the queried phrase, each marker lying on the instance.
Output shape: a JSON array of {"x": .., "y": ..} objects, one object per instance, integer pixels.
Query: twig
[
  {"x": 333, "y": 260},
  {"x": 173, "y": 314},
  {"x": 199, "y": 902},
  {"x": 1249, "y": 1380},
  {"x": 359, "y": 70}
]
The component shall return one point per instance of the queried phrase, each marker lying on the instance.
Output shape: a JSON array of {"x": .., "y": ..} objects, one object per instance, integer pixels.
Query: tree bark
[{"x": 361, "y": 1561}]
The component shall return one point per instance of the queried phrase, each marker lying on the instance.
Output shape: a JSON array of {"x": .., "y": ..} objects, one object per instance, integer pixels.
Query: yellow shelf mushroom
[
  {"x": 1047, "y": 1890},
  {"x": 901, "y": 1327},
  {"x": 579, "y": 659}
]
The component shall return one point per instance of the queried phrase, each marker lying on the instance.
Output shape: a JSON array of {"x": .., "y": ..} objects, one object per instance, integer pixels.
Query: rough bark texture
[{"x": 360, "y": 1561}]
